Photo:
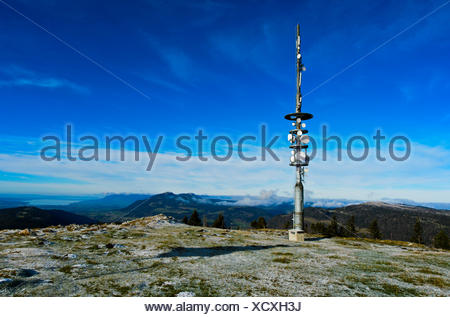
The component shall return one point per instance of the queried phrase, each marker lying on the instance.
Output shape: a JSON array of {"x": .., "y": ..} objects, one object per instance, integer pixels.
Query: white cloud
[
  {"x": 19, "y": 77},
  {"x": 265, "y": 198}
]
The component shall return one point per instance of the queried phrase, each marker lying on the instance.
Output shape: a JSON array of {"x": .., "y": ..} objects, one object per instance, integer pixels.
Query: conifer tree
[
  {"x": 351, "y": 229},
  {"x": 195, "y": 220},
  {"x": 441, "y": 240},
  {"x": 333, "y": 229},
  {"x": 259, "y": 223},
  {"x": 219, "y": 222},
  {"x": 185, "y": 220},
  {"x": 374, "y": 230},
  {"x": 417, "y": 236},
  {"x": 262, "y": 223}
]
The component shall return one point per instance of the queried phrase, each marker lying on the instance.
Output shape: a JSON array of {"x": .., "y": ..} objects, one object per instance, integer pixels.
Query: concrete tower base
[{"x": 296, "y": 235}]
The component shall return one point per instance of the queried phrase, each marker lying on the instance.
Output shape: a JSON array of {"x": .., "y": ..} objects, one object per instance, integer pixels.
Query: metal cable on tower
[{"x": 299, "y": 154}]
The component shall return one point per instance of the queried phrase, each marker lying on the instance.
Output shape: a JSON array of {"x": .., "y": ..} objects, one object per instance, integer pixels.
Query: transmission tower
[{"x": 299, "y": 150}]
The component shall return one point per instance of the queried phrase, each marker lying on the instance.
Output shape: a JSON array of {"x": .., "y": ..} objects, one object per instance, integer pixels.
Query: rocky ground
[{"x": 155, "y": 256}]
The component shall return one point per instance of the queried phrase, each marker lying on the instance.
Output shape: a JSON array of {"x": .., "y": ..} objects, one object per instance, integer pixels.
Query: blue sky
[{"x": 225, "y": 67}]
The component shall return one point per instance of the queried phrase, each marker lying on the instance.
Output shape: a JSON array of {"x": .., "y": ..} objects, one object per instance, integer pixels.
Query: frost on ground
[{"x": 155, "y": 256}]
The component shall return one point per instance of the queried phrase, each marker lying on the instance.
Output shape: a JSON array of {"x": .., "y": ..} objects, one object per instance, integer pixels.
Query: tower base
[{"x": 296, "y": 235}]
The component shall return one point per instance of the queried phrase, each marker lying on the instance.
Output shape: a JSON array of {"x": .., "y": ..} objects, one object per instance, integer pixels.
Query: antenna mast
[
  {"x": 298, "y": 107},
  {"x": 299, "y": 145}
]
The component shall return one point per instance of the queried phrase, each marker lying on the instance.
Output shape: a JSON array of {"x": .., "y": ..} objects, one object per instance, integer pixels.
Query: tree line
[
  {"x": 334, "y": 229},
  {"x": 194, "y": 220}
]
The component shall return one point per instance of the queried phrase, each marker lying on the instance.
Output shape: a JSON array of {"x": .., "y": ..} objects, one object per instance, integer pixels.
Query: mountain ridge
[
  {"x": 396, "y": 220},
  {"x": 32, "y": 217}
]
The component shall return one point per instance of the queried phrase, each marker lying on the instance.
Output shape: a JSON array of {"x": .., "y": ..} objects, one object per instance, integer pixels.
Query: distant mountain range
[
  {"x": 32, "y": 217},
  {"x": 109, "y": 202},
  {"x": 118, "y": 201},
  {"x": 182, "y": 205},
  {"x": 396, "y": 221}
]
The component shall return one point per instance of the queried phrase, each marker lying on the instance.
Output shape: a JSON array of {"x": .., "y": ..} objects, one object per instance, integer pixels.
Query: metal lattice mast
[
  {"x": 298, "y": 189},
  {"x": 298, "y": 107},
  {"x": 299, "y": 141}
]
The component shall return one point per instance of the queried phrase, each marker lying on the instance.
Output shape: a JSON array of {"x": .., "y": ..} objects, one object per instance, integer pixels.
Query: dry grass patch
[
  {"x": 283, "y": 253},
  {"x": 416, "y": 279},
  {"x": 67, "y": 269},
  {"x": 282, "y": 260},
  {"x": 427, "y": 270},
  {"x": 373, "y": 268}
]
